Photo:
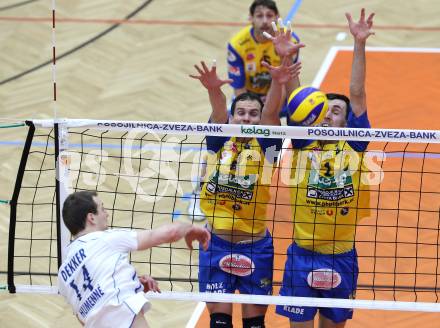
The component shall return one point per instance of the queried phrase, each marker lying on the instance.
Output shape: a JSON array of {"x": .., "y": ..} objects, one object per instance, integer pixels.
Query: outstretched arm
[
  {"x": 280, "y": 76},
  {"x": 212, "y": 83},
  {"x": 171, "y": 233},
  {"x": 360, "y": 31}
]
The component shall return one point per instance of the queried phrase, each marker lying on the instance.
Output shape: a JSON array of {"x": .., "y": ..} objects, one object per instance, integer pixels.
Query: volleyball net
[{"x": 145, "y": 173}]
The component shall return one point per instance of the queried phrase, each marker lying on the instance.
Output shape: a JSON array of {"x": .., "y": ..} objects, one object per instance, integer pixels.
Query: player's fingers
[
  {"x": 205, "y": 243},
  {"x": 205, "y": 240},
  {"x": 264, "y": 64},
  {"x": 205, "y": 68},
  {"x": 295, "y": 67},
  {"x": 198, "y": 69},
  {"x": 288, "y": 28},
  {"x": 197, "y": 77},
  {"x": 214, "y": 65},
  {"x": 156, "y": 287},
  {"x": 349, "y": 18},
  {"x": 227, "y": 81},
  {"x": 362, "y": 18},
  {"x": 299, "y": 45},
  {"x": 267, "y": 35},
  {"x": 189, "y": 243},
  {"x": 281, "y": 24},
  {"x": 370, "y": 20},
  {"x": 285, "y": 61},
  {"x": 274, "y": 27}
]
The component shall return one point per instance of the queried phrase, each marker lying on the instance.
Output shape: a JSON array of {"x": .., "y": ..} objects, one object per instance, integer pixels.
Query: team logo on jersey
[
  {"x": 329, "y": 212},
  {"x": 344, "y": 211},
  {"x": 330, "y": 186},
  {"x": 324, "y": 279},
  {"x": 251, "y": 67},
  {"x": 317, "y": 211},
  {"x": 210, "y": 187},
  {"x": 231, "y": 56},
  {"x": 265, "y": 282},
  {"x": 261, "y": 80},
  {"x": 234, "y": 70},
  {"x": 224, "y": 157},
  {"x": 236, "y": 207},
  {"x": 250, "y": 56},
  {"x": 311, "y": 192},
  {"x": 237, "y": 264}
]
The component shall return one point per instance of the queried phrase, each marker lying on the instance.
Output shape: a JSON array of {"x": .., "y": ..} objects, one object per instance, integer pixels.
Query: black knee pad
[
  {"x": 255, "y": 322},
  {"x": 221, "y": 320}
]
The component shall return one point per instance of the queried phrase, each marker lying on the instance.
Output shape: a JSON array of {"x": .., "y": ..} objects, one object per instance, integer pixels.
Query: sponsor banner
[{"x": 261, "y": 131}]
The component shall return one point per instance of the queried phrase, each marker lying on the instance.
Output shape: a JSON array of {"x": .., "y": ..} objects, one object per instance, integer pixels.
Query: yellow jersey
[
  {"x": 235, "y": 192},
  {"x": 329, "y": 194},
  {"x": 245, "y": 55}
]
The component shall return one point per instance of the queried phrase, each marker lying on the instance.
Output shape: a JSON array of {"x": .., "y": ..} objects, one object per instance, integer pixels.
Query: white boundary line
[
  {"x": 331, "y": 54},
  {"x": 196, "y": 315},
  {"x": 325, "y": 66}
]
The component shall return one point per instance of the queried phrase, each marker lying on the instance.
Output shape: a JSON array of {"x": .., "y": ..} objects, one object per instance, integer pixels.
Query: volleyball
[{"x": 306, "y": 106}]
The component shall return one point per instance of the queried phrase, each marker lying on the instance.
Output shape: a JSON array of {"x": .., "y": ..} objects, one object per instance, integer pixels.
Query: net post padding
[{"x": 13, "y": 204}]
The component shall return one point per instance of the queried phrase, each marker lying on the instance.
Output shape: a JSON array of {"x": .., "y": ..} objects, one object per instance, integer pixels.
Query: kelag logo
[{"x": 254, "y": 130}]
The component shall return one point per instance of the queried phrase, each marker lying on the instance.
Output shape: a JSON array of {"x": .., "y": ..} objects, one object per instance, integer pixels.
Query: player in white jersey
[{"x": 96, "y": 277}]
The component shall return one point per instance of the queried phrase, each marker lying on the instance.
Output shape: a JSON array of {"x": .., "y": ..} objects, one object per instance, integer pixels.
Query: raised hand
[
  {"x": 202, "y": 235},
  {"x": 208, "y": 77},
  {"x": 284, "y": 46},
  {"x": 363, "y": 28},
  {"x": 283, "y": 73}
]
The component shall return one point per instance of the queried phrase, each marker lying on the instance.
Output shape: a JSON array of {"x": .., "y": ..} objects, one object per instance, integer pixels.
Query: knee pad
[
  {"x": 254, "y": 322},
  {"x": 221, "y": 320}
]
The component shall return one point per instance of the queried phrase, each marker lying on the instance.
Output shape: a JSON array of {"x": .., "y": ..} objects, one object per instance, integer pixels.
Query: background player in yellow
[
  {"x": 250, "y": 47},
  {"x": 234, "y": 198},
  {"x": 246, "y": 51},
  {"x": 329, "y": 195}
]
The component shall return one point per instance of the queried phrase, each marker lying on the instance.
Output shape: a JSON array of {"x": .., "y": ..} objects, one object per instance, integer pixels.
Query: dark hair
[
  {"x": 246, "y": 96},
  {"x": 76, "y": 208},
  {"x": 333, "y": 96},
  {"x": 265, "y": 3}
]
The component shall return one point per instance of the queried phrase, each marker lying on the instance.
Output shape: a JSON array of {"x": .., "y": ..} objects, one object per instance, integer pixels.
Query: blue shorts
[
  {"x": 226, "y": 267},
  {"x": 310, "y": 274}
]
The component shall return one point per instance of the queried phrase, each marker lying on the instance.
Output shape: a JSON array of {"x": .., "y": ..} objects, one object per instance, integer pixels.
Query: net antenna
[{"x": 61, "y": 146}]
